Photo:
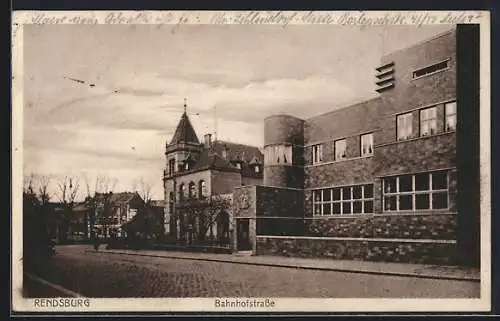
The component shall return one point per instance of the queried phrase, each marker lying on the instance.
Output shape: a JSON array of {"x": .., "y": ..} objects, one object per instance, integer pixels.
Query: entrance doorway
[{"x": 243, "y": 234}]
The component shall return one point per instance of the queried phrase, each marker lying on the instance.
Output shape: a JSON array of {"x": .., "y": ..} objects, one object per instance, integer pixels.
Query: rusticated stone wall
[
  {"x": 431, "y": 226},
  {"x": 367, "y": 250}
]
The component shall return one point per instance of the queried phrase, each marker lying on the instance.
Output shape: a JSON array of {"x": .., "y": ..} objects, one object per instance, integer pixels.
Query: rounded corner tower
[{"x": 284, "y": 151}]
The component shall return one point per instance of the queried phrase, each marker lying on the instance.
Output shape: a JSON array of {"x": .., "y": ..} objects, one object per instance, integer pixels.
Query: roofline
[
  {"x": 345, "y": 107},
  {"x": 421, "y": 42},
  {"x": 283, "y": 115}
]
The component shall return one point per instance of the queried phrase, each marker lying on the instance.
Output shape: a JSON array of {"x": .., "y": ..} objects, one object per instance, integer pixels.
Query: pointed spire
[{"x": 185, "y": 132}]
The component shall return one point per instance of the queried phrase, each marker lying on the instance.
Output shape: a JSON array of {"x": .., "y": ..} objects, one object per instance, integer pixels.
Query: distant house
[
  {"x": 149, "y": 221},
  {"x": 113, "y": 210},
  {"x": 65, "y": 225}
]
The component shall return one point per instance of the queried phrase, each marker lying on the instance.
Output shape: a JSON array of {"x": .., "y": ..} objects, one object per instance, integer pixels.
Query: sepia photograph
[{"x": 248, "y": 160}]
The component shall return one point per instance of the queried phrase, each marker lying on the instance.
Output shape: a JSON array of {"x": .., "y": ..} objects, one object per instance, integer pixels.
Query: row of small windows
[
  {"x": 340, "y": 146},
  {"x": 423, "y": 191},
  {"x": 427, "y": 121},
  {"x": 346, "y": 200},
  {"x": 404, "y": 128},
  {"x": 193, "y": 191}
]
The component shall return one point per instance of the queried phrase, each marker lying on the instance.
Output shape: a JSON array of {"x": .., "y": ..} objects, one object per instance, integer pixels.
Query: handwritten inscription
[{"x": 283, "y": 18}]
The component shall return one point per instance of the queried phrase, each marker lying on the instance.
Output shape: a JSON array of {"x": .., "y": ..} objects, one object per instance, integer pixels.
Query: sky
[{"x": 233, "y": 76}]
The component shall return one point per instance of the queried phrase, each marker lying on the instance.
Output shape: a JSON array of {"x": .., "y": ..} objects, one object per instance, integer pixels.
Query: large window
[
  {"x": 450, "y": 116},
  {"x": 404, "y": 126},
  {"x": 423, "y": 191},
  {"x": 428, "y": 123},
  {"x": 367, "y": 144},
  {"x": 340, "y": 149},
  {"x": 317, "y": 154},
  {"x": 346, "y": 200}
]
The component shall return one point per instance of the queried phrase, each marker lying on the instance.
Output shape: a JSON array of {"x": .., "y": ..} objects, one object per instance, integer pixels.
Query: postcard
[{"x": 251, "y": 161}]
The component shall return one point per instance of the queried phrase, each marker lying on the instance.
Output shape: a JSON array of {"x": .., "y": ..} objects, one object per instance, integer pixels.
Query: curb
[
  {"x": 52, "y": 285},
  {"x": 359, "y": 271}
]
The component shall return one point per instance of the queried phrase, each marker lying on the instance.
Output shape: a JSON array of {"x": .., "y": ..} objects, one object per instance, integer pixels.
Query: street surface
[{"x": 106, "y": 275}]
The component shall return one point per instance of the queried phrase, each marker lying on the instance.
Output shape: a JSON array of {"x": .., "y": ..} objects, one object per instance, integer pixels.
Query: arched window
[
  {"x": 202, "y": 189},
  {"x": 192, "y": 190},
  {"x": 182, "y": 191}
]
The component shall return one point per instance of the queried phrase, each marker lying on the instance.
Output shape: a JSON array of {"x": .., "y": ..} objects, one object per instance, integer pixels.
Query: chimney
[{"x": 208, "y": 140}]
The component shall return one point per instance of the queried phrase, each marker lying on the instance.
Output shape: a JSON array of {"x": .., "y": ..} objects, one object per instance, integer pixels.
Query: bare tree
[
  {"x": 144, "y": 189},
  {"x": 201, "y": 214},
  {"x": 68, "y": 191},
  {"x": 98, "y": 200},
  {"x": 44, "y": 195}
]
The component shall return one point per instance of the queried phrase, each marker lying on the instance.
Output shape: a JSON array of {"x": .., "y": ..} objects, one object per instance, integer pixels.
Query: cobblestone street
[{"x": 111, "y": 275}]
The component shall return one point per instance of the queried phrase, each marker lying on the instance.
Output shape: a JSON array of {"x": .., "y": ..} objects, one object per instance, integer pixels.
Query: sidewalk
[{"x": 380, "y": 268}]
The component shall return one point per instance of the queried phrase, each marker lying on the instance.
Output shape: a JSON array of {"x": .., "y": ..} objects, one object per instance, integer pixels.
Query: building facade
[
  {"x": 199, "y": 179},
  {"x": 394, "y": 178},
  {"x": 112, "y": 210}
]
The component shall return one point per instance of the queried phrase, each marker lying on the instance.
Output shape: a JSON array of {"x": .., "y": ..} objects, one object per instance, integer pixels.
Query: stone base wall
[
  {"x": 416, "y": 226},
  {"x": 438, "y": 252}
]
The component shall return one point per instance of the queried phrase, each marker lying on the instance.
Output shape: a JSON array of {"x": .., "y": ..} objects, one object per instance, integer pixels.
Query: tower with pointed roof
[
  {"x": 195, "y": 171},
  {"x": 184, "y": 147}
]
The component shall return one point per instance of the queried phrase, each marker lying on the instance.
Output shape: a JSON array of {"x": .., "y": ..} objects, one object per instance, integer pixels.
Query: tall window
[
  {"x": 367, "y": 144},
  {"x": 182, "y": 191},
  {"x": 257, "y": 169},
  {"x": 423, "y": 191},
  {"x": 171, "y": 166},
  {"x": 404, "y": 126},
  {"x": 346, "y": 200},
  {"x": 450, "y": 116},
  {"x": 202, "y": 189},
  {"x": 428, "y": 121},
  {"x": 171, "y": 203},
  {"x": 340, "y": 149},
  {"x": 317, "y": 154},
  {"x": 191, "y": 190}
]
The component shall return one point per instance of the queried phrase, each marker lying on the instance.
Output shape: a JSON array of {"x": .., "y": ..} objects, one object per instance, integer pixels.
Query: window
[
  {"x": 202, "y": 189},
  {"x": 238, "y": 165},
  {"x": 340, "y": 149},
  {"x": 432, "y": 69},
  {"x": 257, "y": 169},
  {"x": 182, "y": 191},
  {"x": 171, "y": 166},
  {"x": 317, "y": 154},
  {"x": 171, "y": 202},
  {"x": 191, "y": 190},
  {"x": 404, "y": 126},
  {"x": 450, "y": 116},
  {"x": 356, "y": 199},
  {"x": 366, "y": 144},
  {"x": 423, "y": 191},
  {"x": 186, "y": 166},
  {"x": 428, "y": 121}
]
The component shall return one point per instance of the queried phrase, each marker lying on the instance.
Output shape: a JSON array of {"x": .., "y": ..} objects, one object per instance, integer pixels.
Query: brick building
[
  {"x": 198, "y": 183},
  {"x": 394, "y": 178}
]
